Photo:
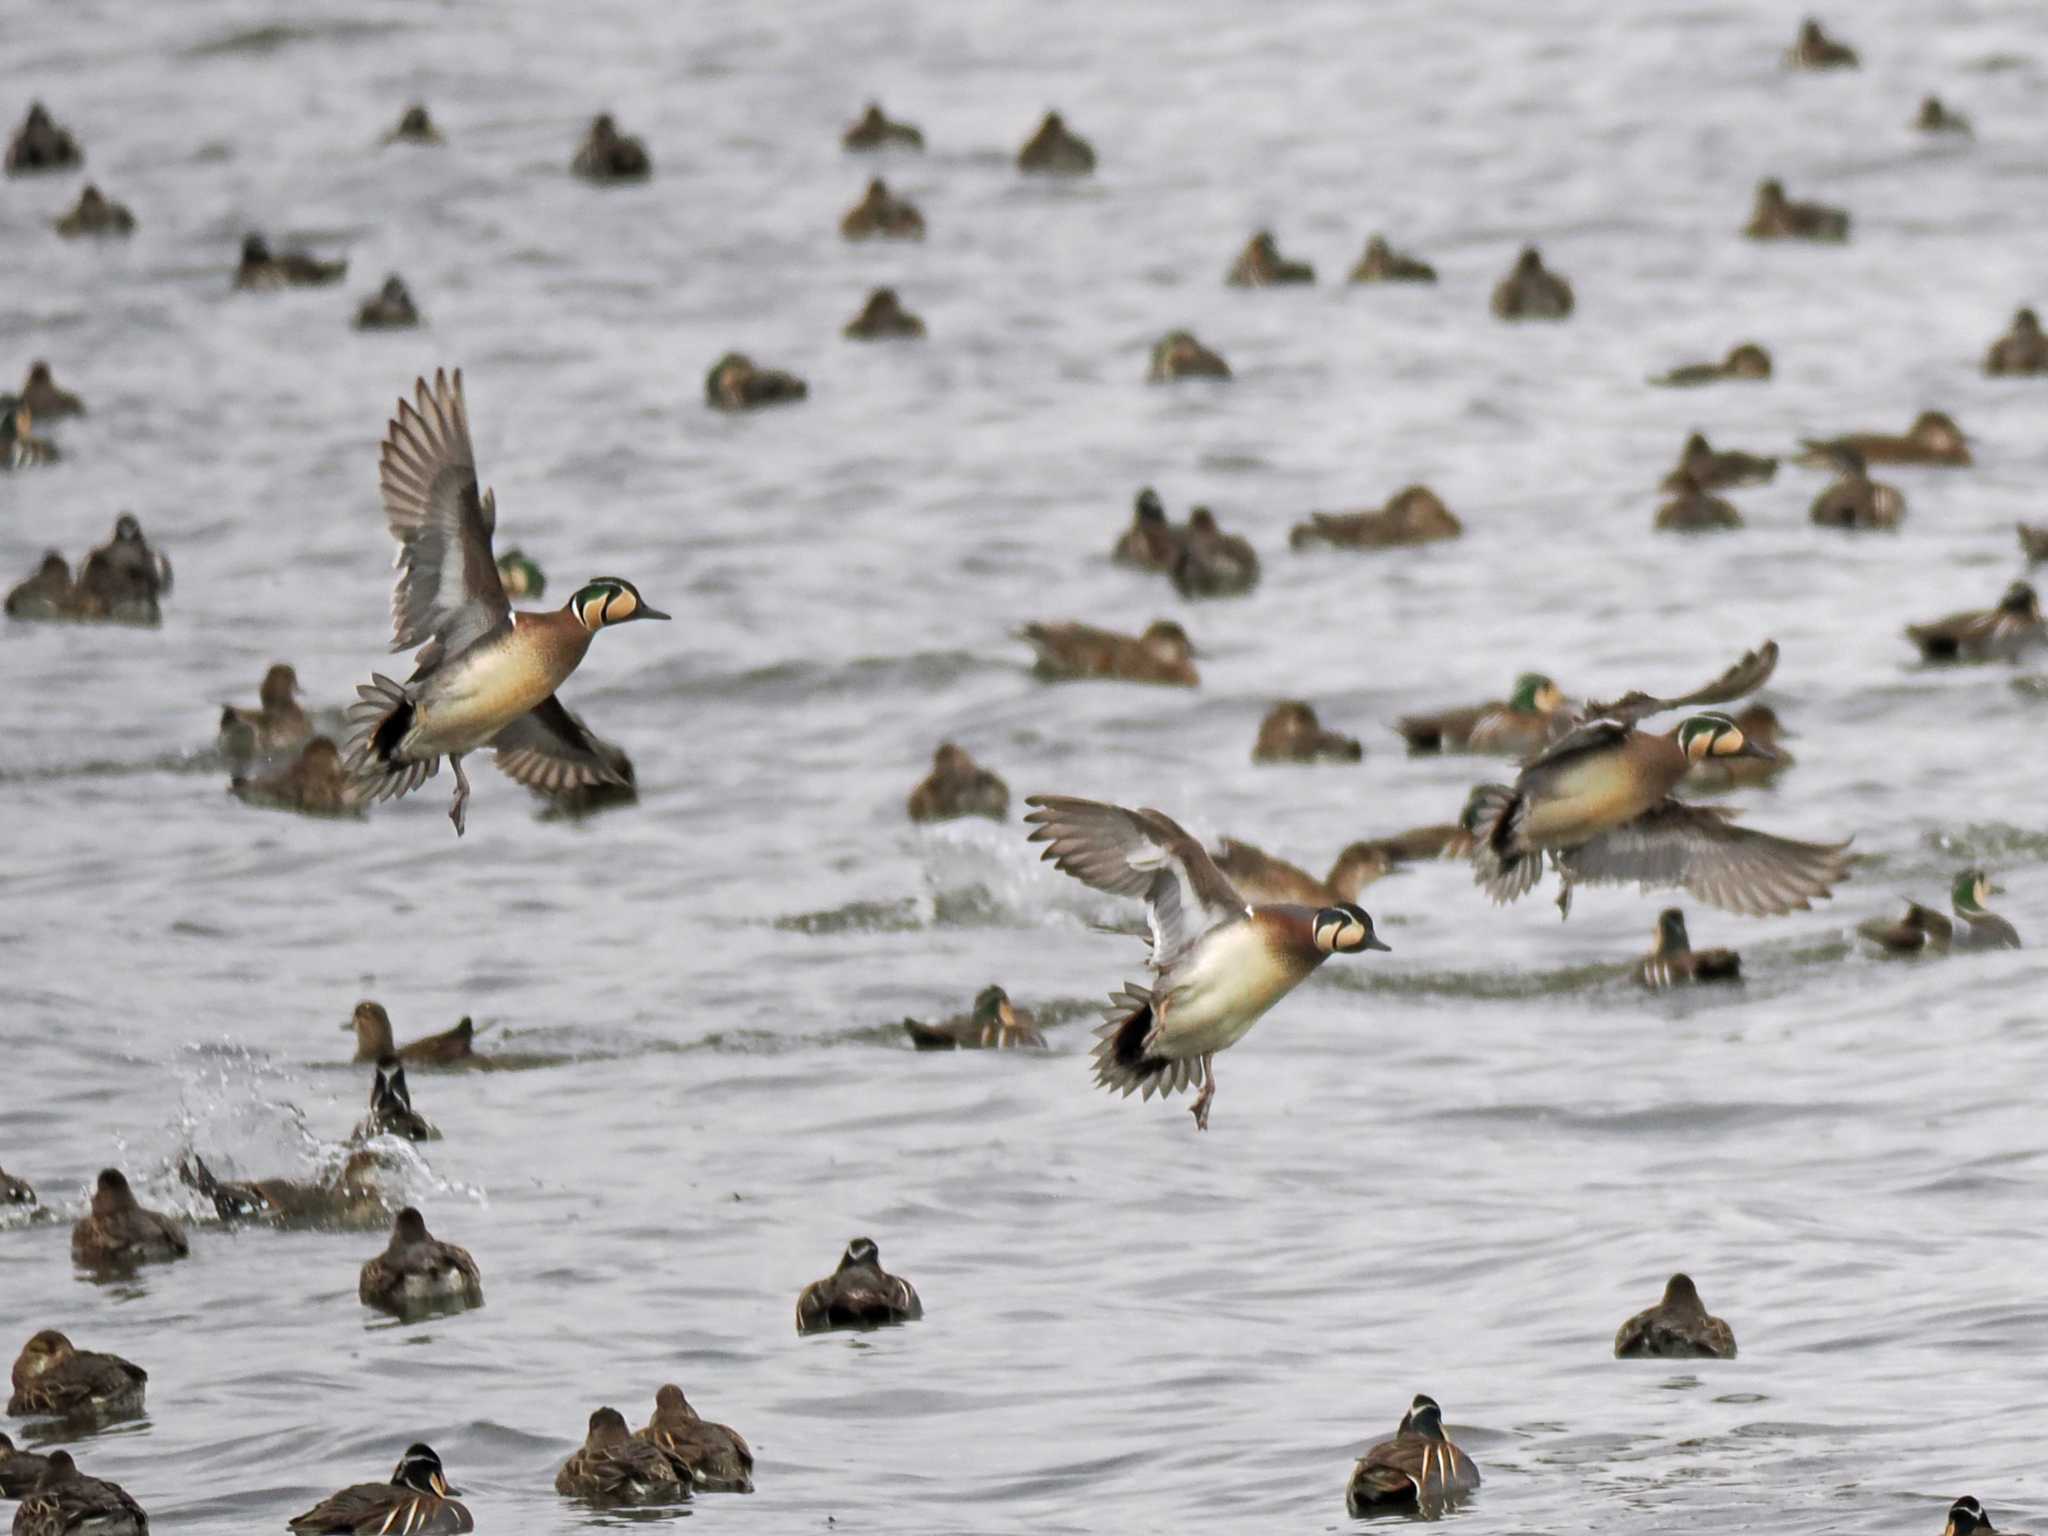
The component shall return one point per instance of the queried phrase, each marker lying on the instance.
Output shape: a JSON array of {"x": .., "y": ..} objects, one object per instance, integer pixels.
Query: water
[{"x": 1455, "y": 1168}]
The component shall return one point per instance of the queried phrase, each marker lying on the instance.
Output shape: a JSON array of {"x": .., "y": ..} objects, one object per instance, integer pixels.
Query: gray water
[{"x": 1454, "y": 1168}]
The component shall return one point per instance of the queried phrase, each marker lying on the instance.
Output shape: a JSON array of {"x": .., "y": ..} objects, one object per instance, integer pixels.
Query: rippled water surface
[{"x": 1454, "y": 1168}]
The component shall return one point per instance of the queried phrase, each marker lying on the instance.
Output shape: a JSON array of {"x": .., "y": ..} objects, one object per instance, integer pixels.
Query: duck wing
[
  {"x": 550, "y": 749},
  {"x": 1745, "y": 677},
  {"x": 449, "y": 595},
  {"x": 1142, "y": 853},
  {"x": 1698, "y": 848}
]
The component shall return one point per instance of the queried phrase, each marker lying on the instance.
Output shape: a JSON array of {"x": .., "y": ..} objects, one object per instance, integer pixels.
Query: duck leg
[
  {"x": 1201, "y": 1106},
  {"x": 1564, "y": 891},
  {"x": 461, "y": 792}
]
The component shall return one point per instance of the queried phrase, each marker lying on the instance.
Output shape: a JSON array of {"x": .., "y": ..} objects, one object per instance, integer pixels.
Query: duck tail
[
  {"x": 1121, "y": 1061},
  {"x": 1506, "y": 871},
  {"x": 378, "y": 725}
]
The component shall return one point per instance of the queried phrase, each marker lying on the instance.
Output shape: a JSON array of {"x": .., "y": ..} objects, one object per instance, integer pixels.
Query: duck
[
  {"x": 613, "y": 1467},
  {"x": 1381, "y": 263},
  {"x": 1760, "y": 723},
  {"x": 1260, "y": 265},
  {"x": 710, "y": 1458},
  {"x": 1695, "y": 510},
  {"x": 314, "y": 783},
  {"x": 109, "y": 591},
  {"x": 1292, "y": 733},
  {"x": 1151, "y": 543},
  {"x": 858, "y": 1294},
  {"x": 1263, "y": 880},
  {"x": 875, "y": 130},
  {"x": 45, "y": 595},
  {"x": 14, "y": 1191},
  {"x": 1934, "y": 117},
  {"x": 1212, "y": 563},
  {"x": 95, "y": 214},
  {"x": 20, "y": 448},
  {"x": 375, "y": 1041},
  {"x": 1966, "y": 1517},
  {"x": 1854, "y": 500},
  {"x": 1672, "y": 962},
  {"x": 39, "y": 144},
  {"x": 1746, "y": 361},
  {"x": 1218, "y": 963},
  {"x": 1518, "y": 726},
  {"x": 132, "y": 561},
  {"x": 1677, "y": 1328},
  {"x": 65, "y": 1502},
  {"x": 484, "y": 676},
  {"x": 1982, "y": 928},
  {"x": 53, "y": 1379},
  {"x": 390, "y": 309},
  {"x": 1598, "y": 802},
  {"x": 607, "y": 156},
  {"x": 881, "y": 213},
  {"x": 1919, "y": 929},
  {"x": 958, "y": 786},
  {"x": 1056, "y": 150},
  {"x": 1816, "y": 50},
  {"x": 1777, "y": 217},
  {"x": 1933, "y": 439},
  {"x": 19, "y": 1470},
  {"x": 1163, "y": 654},
  {"x": 277, "y": 724},
  {"x": 1413, "y": 515},
  {"x": 993, "y": 1025},
  {"x": 417, "y": 1269},
  {"x": 883, "y": 318},
  {"x": 350, "y": 1199},
  {"x": 1179, "y": 355},
  {"x": 118, "y": 1232},
  {"x": 1701, "y": 465},
  {"x": 415, "y": 1501},
  {"x": 415, "y": 126},
  {"x": 2004, "y": 633},
  {"x": 1532, "y": 291},
  {"x": 1441, "y": 840},
  {"x": 736, "y": 384},
  {"x": 2023, "y": 349},
  {"x": 1419, "y": 1467},
  {"x": 391, "y": 1112},
  {"x": 520, "y": 574},
  {"x": 2033, "y": 543},
  {"x": 262, "y": 271}
]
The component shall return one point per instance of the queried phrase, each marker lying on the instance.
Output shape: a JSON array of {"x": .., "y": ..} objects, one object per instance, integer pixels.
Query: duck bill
[
  {"x": 1756, "y": 750},
  {"x": 651, "y": 613},
  {"x": 1376, "y": 942}
]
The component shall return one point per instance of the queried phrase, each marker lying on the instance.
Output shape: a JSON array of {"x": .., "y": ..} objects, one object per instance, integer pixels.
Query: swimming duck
[
  {"x": 711, "y": 1458},
  {"x": 1671, "y": 962},
  {"x": 1054, "y": 150},
  {"x": 40, "y": 145},
  {"x": 875, "y": 130},
  {"x": 1777, "y": 217},
  {"x": 1532, "y": 291},
  {"x": 278, "y": 724},
  {"x": 1933, "y": 439},
  {"x": 612, "y": 1467},
  {"x": 350, "y": 1199},
  {"x": 415, "y": 126},
  {"x": 1966, "y": 1517},
  {"x": 1816, "y": 50},
  {"x": 1178, "y": 355},
  {"x": 1518, "y": 727},
  {"x": 133, "y": 562},
  {"x": 1260, "y": 265},
  {"x": 1218, "y": 963},
  {"x": 1263, "y": 880},
  {"x": 1677, "y": 1328},
  {"x": 1701, "y": 465},
  {"x": 19, "y": 1469},
  {"x": 2022, "y": 349},
  {"x": 520, "y": 574},
  {"x": 735, "y": 384},
  {"x": 314, "y": 783},
  {"x": 45, "y": 595},
  {"x": 1151, "y": 543},
  {"x": 1936, "y": 118},
  {"x": 65, "y": 1502},
  {"x": 375, "y": 1041},
  {"x": 53, "y": 1379},
  {"x": 1418, "y": 1467},
  {"x": 1992, "y": 634},
  {"x": 1694, "y": 509},
  {"x": 1918, "y": 928},
  {"x": 1212, "y": 563},
  {"x": 883, "y": 318},
  {"x": 994, "y": 1025},
  {"x": 391, "y": 1112},
  {"x": 1412, "y": 515},
  {"x": 415, "y": 1502},
  {"x": 391, "y": 309},
  {"x": 1855, "y": 500},
  {"x": 1598, "y": 802},
  {"x": 1291, "y": 733},
  {"x": 263, "y": 271},
  {"x": 858, "y": 1294},
  {"x": 958, "y": 786},
  {"x": 15, "y": 1191},
  {"x": 95, "y": 214},
  {"x": 1759, "y": 723},
  {"x": 1381, "y": 263},
  {"x": 1982, "y": 929},
  {"x": 109, "y": 592},
  {"x": 417, "y": 1269},
  {"x": 118, "y": 1232},
  {"x": 609, "y": 156},
  {"x": 2033, "y": 543},
  {"x": 1443, "y": 840},
  {"x": 485, "y": 676},
  {"x": 881, "y": 213},
  {"x": 1748, "y": 361},
  {"x": 20, "y": 448},
  {"x": 1072, "y": 652}
]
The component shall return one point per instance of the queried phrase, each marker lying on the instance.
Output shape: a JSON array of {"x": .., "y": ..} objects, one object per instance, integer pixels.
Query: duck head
[
  {"x": 1344, "y": 929},
  {"x": 1965, "y": 1516},
  {"x": 1167, "y": 641},
  {"x": 1936, "y": 430},
  {"x": 1424, "y": 1418},
  {"x": 1971, "y": 890},
  {"x": 111, "y": 1195},
  {"x": 41, "y": 1353},
  {"x": 419, "y": 1468},
  {"x": 1149, "y": 510},
  {"x": 127, "y": 530},
  {"x": 2021, "y": 602},
  {"x": 415, "y": 122},
  {"x": 280, "y": 686},
  {"x": 2027, "y": 323},
  {"x": 607, "y": 600},
  {"x": 1536, "y": 694},
  {"x": 1770, "y": 195},
  {"x": 255, "y": 251},
  {"x": 608, "y": 1427},
  {"x": 861, "y": 1253},
  {"x": 1529, "y": 263},
  {"x": 1672, "y": 940},
  {"x": 1700, "y": 737},
  {"x": 1680, "y": 1292},
  {"x": 1749, "y": 361},
  {"x": 373, "y": 1031}
]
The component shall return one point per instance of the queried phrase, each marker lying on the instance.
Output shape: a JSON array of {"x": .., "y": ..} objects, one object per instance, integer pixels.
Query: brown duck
[
  {"x": 41, "y": 393},
  {"x": 994, "y": 1025},
  {"x": 1178, "y": 355},
  {"x": 2033, "y": 543},
  {"x": 858, "y": 1294},
  {"x": 1672, "y": 961},
  {"x": 880, "y": 213},
  {"x": 1778, "y": 217},
  {"x": 607, "y": 156},
  {"x": 118, "y": 1232},
  {"x": 415, "y": 126},
  {"x": 64, "y": 1500},
  {"x": 1418, "y": 1468},
  {"x": 1265, "y": 880},
  {"x": 1855, "y": 500},
  {"x": 1703, "y": 466},
  {"x": 1694, "y": 509},
  {"x": 875, "y": 130},
  {"x": 261, "y": 270},
  {"x": 1532, "y": 291},
  {"x": 389, "y": 309},
  {"x": 2022, "y": 349},
  {"x": 1076, "y": 652},
  {"x": 313, "y": 784},
  {"x": 1151, "y": 543},
  {"x": 883, "y": 318},
  {"x": 958, "y": 786},
  {"x": 1056, "y": 150},
  {"x": 1748, "y": 361},
  {"x": 1212, "y": 563},
  {"x": 1677, "y": 1328},
  {"x": 1291, "y": 733},
  {"x": 45, "y": 595},
  {"x": 1412, "y": 515},
  {"x": 2003, "y": 633},
  {"x": 1521, "y": 725},
  {"x": 40, "y": 144},
  {"x": 613, "y": 1467},
  {"x": 54, "y": 1380},
  {"x": 1933, "y": 439},
  {"x": 735, "y": 384},
  {"x": 1260, "y": 265},
  {"x": 277, "y": 724},
  {"x": 95, "y": 214},
  {"x": 350, "y": 1200},
  {"x": 710, "y": 1458},
  {"x": 1816, "y": 50},
  {"x": 1935, "y": 117},
  {"x": 375, "y": 1041},
  {"x": 418, "y": 1270},
  {"x": 1381, "y": 263}
]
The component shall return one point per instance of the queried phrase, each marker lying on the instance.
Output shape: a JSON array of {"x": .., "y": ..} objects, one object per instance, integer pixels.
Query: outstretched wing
[
  {"x": 1145, "y": 854},
  {"x": 550, "y": 750},
  {"x": 1745, "y": 677},
  {"x": 1698, "y": 848},
  {"x": 448, "y": 589}
]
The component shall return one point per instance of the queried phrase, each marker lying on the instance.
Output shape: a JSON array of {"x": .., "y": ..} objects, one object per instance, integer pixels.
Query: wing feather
[
  {"x": 551, "y": 750},
  {"x": 448, "y": 590},
  {"x": 1143, "y": 854},
  {"x": 1737, "y": 869},
  {"x": 1743, "y": 678}
]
